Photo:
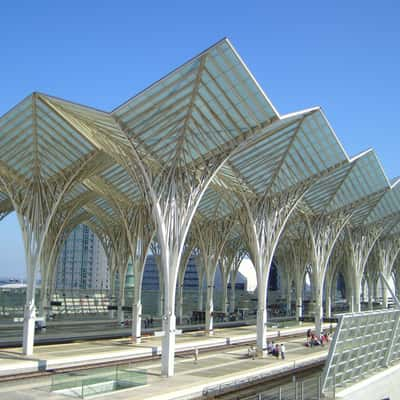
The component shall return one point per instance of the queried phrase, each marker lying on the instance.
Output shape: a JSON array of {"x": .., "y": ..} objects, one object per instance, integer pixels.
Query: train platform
[
  {"x": 80, "y": 353},
  {"x": 213, "y": 371}
]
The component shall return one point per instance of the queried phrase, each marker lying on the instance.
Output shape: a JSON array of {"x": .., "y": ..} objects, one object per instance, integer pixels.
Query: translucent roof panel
[
  {"x": 365, "y": 178},
  {"x": 215, "y": 204},
  {"x": 314, "y": 149},
  {"x": 97, "y": 127},
  {"x": 320, "y": 194},
  {"x": 116, "y": 177},
  {"x": 16, "y": 140},
  {"x": 258, "y": 163},
  {"x": 388, "y": 205},
  {"x": 36, "y": 138},
  {"x": 209, "y": 101}
]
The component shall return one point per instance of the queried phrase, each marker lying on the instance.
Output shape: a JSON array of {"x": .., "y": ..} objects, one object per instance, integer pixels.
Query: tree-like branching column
[
  {"x": 65, "y": 220},
  {"x": 103, "y": 231},
  {"x": 232, "y": 256},
  {"x": 177, "y": 143},
  {"x": 212, "y": 236},
  {"x": 200, "y": 275},
  {"x": 396, "y": 277},
  {"x": 295, "y": 256},
  {"x": 121, "y": 252},
  {"x": 173, "y": 193},
  {"x": 187, "y": 253},
  {"x": 36, "y": 202},
  {"x": 156, "y": 251},
  {"x": 335, "y": 263},
  {"x": 387, "y": 250},
  {"x": 263, "y": 221},
  {"x": 324, "y": 231},
  {"x": 139, "y": 234},
  {"x": 358, "y": 246},
  {"x": 338, "y": 265},
  {"x": 372, "y": 276},
  {"x": 284, "y": 261}
]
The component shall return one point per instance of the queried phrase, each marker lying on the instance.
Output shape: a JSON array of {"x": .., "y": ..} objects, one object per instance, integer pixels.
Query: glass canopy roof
[{"x": 210, "y": 105}]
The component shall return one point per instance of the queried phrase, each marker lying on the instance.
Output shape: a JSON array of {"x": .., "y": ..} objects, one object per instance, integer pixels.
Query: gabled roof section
[
  {"x": 197, "y": 109},
  {"x": 388, "y": 205},
  {"x": 293, "y": 149},
  {"x": 36, "y": 140},
  {"x": 357, "y": 186},
  {"x": 98, "y": 127},
  {"x": 365, "y": 178},
  {"x": 314, "y": 149}
]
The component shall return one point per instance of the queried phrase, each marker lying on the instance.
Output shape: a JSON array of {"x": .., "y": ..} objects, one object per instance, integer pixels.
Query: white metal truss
[
  {"x": 187, "y": 253},
  {"x": 358, "y": 245},
  {"x": 263, "y": 221},
  {"x": 386, "y": 252},
  {"x": 324, "y": 230},
  {"x": 211, "y": 237},
  {"x": 295, "y": 255},
  {"x": 204, "y": 139},
  {"x": 232, "y": 256}
]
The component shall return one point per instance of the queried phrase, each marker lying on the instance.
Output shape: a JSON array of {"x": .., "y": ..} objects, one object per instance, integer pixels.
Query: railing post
[
  {"x": 295, "y": 387},
  {"x": 334, "y": 385},
  {"x": 319, "y": 387},
  {"x": 302, "y": 390}
]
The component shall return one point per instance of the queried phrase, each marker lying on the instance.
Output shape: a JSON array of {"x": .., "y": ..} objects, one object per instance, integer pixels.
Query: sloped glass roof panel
[
  {"x": 217, "y": 96},
  {"x": 314, "y": 150},
  {"x": 320, "y": 194},
  {"x": 388, "y": 205},
  {"x": 365, "y": 178}
]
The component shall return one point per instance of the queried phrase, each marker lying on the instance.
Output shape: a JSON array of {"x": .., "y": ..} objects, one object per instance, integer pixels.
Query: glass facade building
[{"x": 82, "y": 263}]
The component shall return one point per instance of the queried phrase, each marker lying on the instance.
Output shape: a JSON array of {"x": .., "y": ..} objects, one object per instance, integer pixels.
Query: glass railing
[{"x": 96, "y": 381}]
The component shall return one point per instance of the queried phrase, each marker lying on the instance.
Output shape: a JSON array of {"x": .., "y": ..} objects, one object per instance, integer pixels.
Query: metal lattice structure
[
  {"x": 202, "y": 147},
  {"x": 364, "y": 343}
]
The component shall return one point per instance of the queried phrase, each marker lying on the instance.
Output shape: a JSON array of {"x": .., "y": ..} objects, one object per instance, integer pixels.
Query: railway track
[{"x": 136, "y": 360}]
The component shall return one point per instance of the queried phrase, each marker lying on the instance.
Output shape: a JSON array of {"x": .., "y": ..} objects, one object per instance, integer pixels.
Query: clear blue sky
[{"x": 341, "y": 55}]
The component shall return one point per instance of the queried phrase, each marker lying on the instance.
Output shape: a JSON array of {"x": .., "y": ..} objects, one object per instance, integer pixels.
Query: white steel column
[
  {"x": 328, "y": 304},
  {"x": 324, "y": 231},
  {"x": 189, "y": 247},
  {"x": 173, "y": 197},
  {"x": 200, "y": 274},
  {"x": 295, "y": 255},
  {"x": 386, "y": 252},
  {"x": 359, "y": 243},
  {"x": 225, "y": 266},
  {"x": 138, "y": 270},
  {"x": 232, "y": 294},
  {"x": 37, "y": 203},
  {"x": 212, "y": 236},
  {"x": 232, "y": 256},
  {"x": 263, "y": 222}
]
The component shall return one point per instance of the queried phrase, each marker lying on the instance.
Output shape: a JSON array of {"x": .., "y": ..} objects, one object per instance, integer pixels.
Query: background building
[{"x": 82, "y": 263}]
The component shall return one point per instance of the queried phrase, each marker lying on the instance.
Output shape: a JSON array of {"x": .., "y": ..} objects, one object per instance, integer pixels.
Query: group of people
[
  {"x": 276, "y": 349},
  {"x": 148, "y": 322},
  {"x": 315, "y": 340}
]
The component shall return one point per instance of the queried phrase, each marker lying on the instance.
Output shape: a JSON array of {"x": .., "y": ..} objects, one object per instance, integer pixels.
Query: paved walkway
[{"x": 219, "y": 367}]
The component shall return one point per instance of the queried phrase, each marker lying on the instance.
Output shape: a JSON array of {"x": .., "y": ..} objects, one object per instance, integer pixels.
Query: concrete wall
[{"x": 383, "y": 385}]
